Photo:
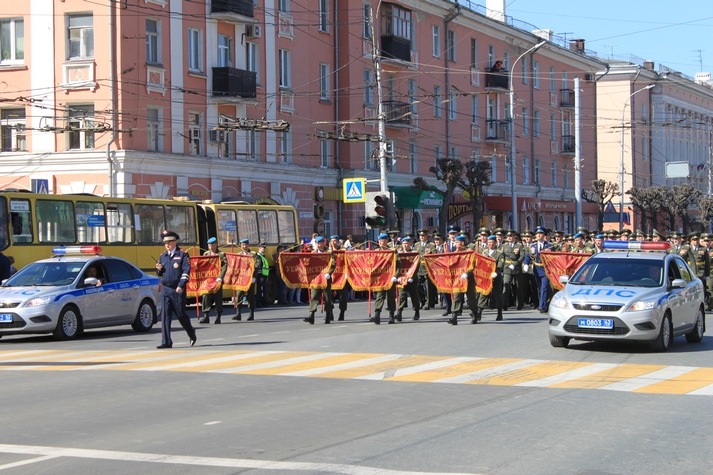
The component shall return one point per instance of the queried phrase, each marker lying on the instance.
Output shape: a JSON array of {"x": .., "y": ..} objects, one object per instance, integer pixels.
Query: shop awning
[{"x": 407, "y": 198}]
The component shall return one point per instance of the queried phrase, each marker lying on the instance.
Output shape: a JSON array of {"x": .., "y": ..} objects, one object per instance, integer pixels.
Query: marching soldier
[
  {"x": 680, "y": 248},
  {"x": 217, "y": 297},
  {"x": 700, "y": 255},
  {"x": 598, "y": 241},
  {"x": 427, "y": 291},
  {"x": 708, "y": 242},
  {"x": 559, "y": 245},
  {"x": 495, "y": 298},
  {"x": 174, "y": 267},
  {"x": 579, "y": 246},
  {"x": 513, "y": 285},
  {"x": 409, "y": 290},
  {"x": 458, "y": 297},
  {"x": 531, "y": 289},
  {"x": 316, "y": 293},
  {"x": 388, "y": 295},
  {"x": 533, "y": 258},
  {"x": 342, "y": 295},
  {"x": 250, "y": 294}
]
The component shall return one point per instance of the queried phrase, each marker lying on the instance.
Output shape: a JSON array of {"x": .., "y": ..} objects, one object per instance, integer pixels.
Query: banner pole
[{"x": 198, "y": 313}]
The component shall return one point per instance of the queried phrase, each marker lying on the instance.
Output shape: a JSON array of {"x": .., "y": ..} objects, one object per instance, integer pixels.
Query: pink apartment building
[{"x": 160, "y": 98}]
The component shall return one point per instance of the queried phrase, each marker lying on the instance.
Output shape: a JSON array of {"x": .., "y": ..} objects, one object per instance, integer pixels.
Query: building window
[
  {"x": 644, "y": 149},
  {"x": 253, "y": 145},
  {"x": 324, "y": 82},
  {"x": 396, "y": 21},
  {"x": 554, "y": 174},
  {"x": 436, "y": 35},
  {"x": 508, "y": 171},
  {"x": 536, "y": 74},
  {"x": 491, "y": 55},
  {"x": 194, "y": 134},
  {"x": 195, "y": 50},
  {"x": 283, "y": 6},
  {"x": 390, "y": 155},
  {"x": 525, "y": 121},
  {"x": 453, "y": 153},
  {"x": 437, "y": 101},
  {"x": 368, "y": 87},
  {"x": 536, "y": 124},
  {"x": 153, "y": 42},
  {"x": 565, "y": 175},
  {"x": 370, "y": 156},
  {"x": 473, "y": 53},
  {"x": 153, "y": 126},
  {"x": 366, "y": 26},
  {"x": 253, "y": 60},
  {"x": 412, "y": 98},
  {"x": 12, "y": 41},
  {"x": 565, "y": 80},
  {"x": 224, "y": 48},
  {"x": 324, "y": 153},
  {"x": 80, "y": 119},
  {"x": 413, "y": 157},
  {"x": 494, "y": 168},
  {"x": 437, "y": 152},
  {"x": 285, "y": 147},
  {"x": 80, "y": 33},
  {"x": 12, "y": 130},
  {"x": 553, "y": 81},
  {"x": 285, "y": 70},
  {"x": 506, "y": 60},
  {"x": 523, "y": 70},
  {"x": 474, "y": 109},
  {"x": 525, "y": 171},
  {"x": 452, "y": 105},
  {"x": 323, "y": 16},
  {"x": 451, "y": 45},
  {"x": 537, "y": 172},
  {"x": 553, "y": 127}
]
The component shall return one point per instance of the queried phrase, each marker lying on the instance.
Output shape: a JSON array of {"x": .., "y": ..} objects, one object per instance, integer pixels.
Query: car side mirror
[
  {"x": 564, "y": 279},
  {"x": 90, "y": 282},
  {"x": 678, "y": 284}
]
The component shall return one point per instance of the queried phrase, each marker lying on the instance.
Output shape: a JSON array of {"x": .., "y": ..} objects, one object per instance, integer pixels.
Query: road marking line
[
  {"x": 402, "y": 361},
  {"x": 20, "y": 463},
  {"x": 704, "y": 391},
  {"x": 310, "y": 467},
  {"x": 415, "y": 369},
  {"x": 683, "y": 384},
  {"x": 206, "y": 359},
  {"x": 482, "y": 376},
  {"x": 648, "y": 379},
  {"x": 567, "y": 375},
  {"x": 256, "y": 368},
  {"x": 366, "y": 361},
  {"x": 534, "y": 372},
  {"x": 212, "y": 423}
]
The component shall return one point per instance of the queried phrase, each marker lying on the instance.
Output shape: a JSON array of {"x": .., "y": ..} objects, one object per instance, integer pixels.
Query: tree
[
  {"x": 601, "y": 192},
  {"x": 682, "y": 197},
  {"x": 450, "y": 172},
  {"x": 643, "y": 200},
  {"x": 477, "y": 177},
  {"x": 662, "y": 202},
  {"x": 706, "y": 206}
]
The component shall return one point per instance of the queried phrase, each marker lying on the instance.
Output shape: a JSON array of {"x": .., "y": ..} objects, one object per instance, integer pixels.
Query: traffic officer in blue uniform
[
  {"x": 533, "y": 258},
  {"x": 174, "y": 267}
]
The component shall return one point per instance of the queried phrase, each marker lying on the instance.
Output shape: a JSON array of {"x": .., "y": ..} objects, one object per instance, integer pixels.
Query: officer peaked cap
[{"x": 169, "y": 236}]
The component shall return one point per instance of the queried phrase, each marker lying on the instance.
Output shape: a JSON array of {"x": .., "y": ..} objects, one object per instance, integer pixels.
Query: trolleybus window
[
  {"x": 267, "y": 221},
  {"x": 118, "y": 222},
  {"x": 4, "y": 229},
  {"x": 55, "y": 221},
  {"x": 182, "y": 219},
  {"x": 149, "y": 223},
  {"x": 20, "y": 220},
  {"x": 247, "y": 225},
  {"x": 227, "y": 227},
  {"x": 90, "y": 222},
  {"x": 286, "y": 223}
]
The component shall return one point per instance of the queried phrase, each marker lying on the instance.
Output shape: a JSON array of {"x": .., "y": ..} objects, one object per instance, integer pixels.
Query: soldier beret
[
  {"x": 578, "y": 235},
  {"x": 334, "y": 236},
  {"x": 319, "y": 239},
  {"x": 212, "y": 240},
  {"x": 168, "y": 236},
  {"x": 599, "y": 236},
  {"x": 406, "y": 239},
  {"x": 383, "y": 236},
  {"x": 245, "y": 241},
  {"x": 492, "y": 237},
  {"x": 461, "y": 238}
]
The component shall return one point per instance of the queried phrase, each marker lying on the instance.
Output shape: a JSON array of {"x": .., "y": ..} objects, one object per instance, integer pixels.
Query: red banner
[
  {"x": 409, "y": 265},
  {"x": 445, "y": 270},
  {"x": 301, "y": 270},
  {"x": 239, "y": 275},
  {"x": 561, "y": 263},
  {"x": 204, "y": 272},
  {"x": 484, "y": 268},
  {"x": 370, "y": 270},
  {"x": 339, "y": 276}
]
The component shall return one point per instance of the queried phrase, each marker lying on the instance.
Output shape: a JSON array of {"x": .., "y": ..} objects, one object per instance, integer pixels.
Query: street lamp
[
  {"x": 621, "y": 163},
  {"x": 513, "y": 174}
]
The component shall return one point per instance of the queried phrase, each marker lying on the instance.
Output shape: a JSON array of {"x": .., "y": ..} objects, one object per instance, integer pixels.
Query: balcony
[
  {"x": 397, "y": 113},
  {"x": 497, "y": 130},
  {"x": 497, "y": 81},
  {"x": 566, "y": 98},
  {"x": 568, "y": 144},
  {"x": 232, "y": 10},
  {"x": 234, "y": 83},
  {"x": 395, "y": 47}
]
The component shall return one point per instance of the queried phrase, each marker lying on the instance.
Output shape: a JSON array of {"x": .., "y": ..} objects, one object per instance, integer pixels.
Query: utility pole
[
  {"x": 577, "y": 157},
  {"x": 376, "y": 59}
]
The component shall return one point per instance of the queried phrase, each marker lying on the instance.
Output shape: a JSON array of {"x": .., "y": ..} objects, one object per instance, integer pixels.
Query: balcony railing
[
  {"x": 568, "y": 144},
  {"x": 233, "y": 82},
  {"x": 239, "y": 7},
  {"x": 497, "y": 80},
  {"x": 397, "y": 113},
  {"x": 497, "y": 130},
  {"x": 566, "y": 98},
  {"x": 395, "y": 47}
]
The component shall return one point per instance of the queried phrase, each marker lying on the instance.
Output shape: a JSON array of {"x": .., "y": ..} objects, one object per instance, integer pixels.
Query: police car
[
  {"x": 67, "y": 294},
  {"x": 629, "y": 295}
]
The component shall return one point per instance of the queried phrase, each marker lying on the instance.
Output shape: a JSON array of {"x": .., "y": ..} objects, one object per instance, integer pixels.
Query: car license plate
[
  {"x": 5, "y": 318},
  {"x": 595, "y": 323}
]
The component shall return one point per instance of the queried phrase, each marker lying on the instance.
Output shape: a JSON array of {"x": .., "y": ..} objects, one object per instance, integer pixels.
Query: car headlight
[
  {"x": 559, "y": 301},
  {"x": 642, "y": 305},
  {"x": 38, "y": 301}
]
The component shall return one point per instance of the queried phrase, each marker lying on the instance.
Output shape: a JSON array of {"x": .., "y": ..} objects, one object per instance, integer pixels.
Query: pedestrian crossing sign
[{"x": 354, "y": 190}]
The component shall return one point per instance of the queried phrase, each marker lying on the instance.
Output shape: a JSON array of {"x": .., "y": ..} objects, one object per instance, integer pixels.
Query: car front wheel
[
  {"x": 68, "y": 324},
  {"x": 696, "y": 335},
  {"x": 663, "y": 341},
  {"x": 144, "y": 317},
  {"x": 559, "y": 341}
]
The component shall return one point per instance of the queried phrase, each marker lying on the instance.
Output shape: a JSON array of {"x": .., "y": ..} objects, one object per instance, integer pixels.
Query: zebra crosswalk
[{"x": 637, "y": 378}]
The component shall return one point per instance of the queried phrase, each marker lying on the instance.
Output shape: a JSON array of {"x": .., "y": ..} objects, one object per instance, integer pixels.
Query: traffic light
[{"x": 377, "y": 208}]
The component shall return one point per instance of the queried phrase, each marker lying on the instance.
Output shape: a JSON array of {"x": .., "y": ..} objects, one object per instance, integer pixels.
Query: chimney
[
  {"x": 577, "y": 45},
  {"x": 649, "y": 65},
  {"x": 495, "y": 9}
]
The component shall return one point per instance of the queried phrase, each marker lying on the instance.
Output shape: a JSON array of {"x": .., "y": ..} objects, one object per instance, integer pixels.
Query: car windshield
[
  {"x": 629, "y": 272},
  {"x": 46, "y": 273}
]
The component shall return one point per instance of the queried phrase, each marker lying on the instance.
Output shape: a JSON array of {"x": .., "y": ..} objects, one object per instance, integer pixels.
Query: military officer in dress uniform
[
  {"x": 559, "y": 245},
  {"x": 410, "y": 290},
  {"x": 315, "y": 293},
  {"x": 494, "y": 299},
  {"x": 531, "y": 289},
  {"x": 680, "y": 248},
  {"x": 699, "y": 254},
  {"x": 342, "y": 295},
  {"x": 458, "y": 297},
  {"x": 388, "y": 295},
  {"x": 427, "y": 291},
  {"x": 245, "y": 250},
  {"x": 533, "y": 258},
  {"x": 174, "y": 267},
  {"x": 708, "y": 243},
  {"x": 217, "y": 297},
  {"x": 514, "y": 255}
]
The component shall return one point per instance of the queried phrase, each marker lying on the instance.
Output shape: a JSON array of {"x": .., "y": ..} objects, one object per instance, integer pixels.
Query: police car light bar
[
  {"x": 636, "y": 245},
  {"x": 67, "y": 250}
]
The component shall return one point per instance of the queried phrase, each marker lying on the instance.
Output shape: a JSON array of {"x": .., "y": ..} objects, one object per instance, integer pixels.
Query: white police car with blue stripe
[
  {"x": 629, "y": 295},
  {"x": 67, "y": 294}
]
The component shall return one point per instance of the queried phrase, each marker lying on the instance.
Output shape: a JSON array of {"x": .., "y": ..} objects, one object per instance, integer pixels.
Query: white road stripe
[
  {"x": 211, "y": 461},
  {"x": 165, "y": 355},
  {"x": 20, "y": 463},
  {"x": 65, "y": 356},
  {"x": 276, "y": 364},
  {"x": 654, "y": 377},
  {"x": 704, "y": 391},
  {"x": 193, "y": 363},
  {"x": 416, "y": 369},
  {"x": 568, "y": 375},
  {"x": 489, "y": 372},
  {"x": 343, "y": 366}
]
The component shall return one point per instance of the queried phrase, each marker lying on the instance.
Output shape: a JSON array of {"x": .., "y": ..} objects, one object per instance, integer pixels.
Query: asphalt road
[{"x": 280, "y": 396}]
